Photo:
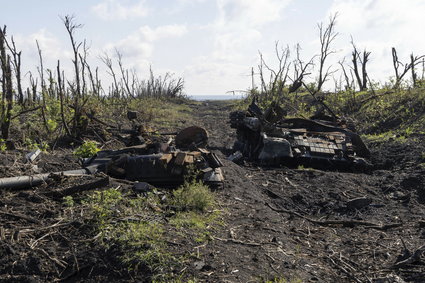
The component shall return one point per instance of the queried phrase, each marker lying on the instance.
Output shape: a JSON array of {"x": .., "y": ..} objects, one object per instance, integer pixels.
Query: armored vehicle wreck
[
  {"x": 157, "y": 161},
  {"x": 271, "y": 139}
]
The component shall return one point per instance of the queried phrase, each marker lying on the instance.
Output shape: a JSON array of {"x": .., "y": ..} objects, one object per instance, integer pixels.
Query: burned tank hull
[{"x": 273, "y": 140}]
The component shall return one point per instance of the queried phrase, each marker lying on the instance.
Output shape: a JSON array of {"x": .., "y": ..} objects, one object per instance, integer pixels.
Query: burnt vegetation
[
  {"x": 66, "y": 102},
  {"x": 275, "y": 223}
]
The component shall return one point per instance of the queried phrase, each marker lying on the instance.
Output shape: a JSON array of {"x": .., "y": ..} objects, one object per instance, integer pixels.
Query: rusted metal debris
[
  {"x": 166, "y": 168},
  {"x": 272, "y": 139},
  {"x": 158, "y": 163}
]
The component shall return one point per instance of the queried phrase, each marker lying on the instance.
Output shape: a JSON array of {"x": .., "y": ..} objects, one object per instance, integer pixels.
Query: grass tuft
[{"x": 193, "y": 196}]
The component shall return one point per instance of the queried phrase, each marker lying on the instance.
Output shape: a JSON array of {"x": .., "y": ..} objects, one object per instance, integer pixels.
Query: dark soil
[{"x": 279, "y": 222}]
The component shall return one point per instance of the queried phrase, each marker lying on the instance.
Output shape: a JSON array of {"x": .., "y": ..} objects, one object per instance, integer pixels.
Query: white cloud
[
  {"x": 240, "y": 22},
  {"x": 250, "y": 13},
  {"x": 235, "y": 34},
  {"x": 115, "y": 10},
  {"x": 149, "y": 34},
  {"x": 138, "y": 47},
  {"x": 378, "y": 25},
  {"x": 208, "y": 76},
  {"x": 52, "y": 49},
  {"x": 49, "y": 44},
  {"x": 190, "y": 1}
]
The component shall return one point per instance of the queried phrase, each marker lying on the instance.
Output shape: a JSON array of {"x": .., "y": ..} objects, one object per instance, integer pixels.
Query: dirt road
[
  {"x": 317, "y": 226},
  {"x": 299, "y": 225}
]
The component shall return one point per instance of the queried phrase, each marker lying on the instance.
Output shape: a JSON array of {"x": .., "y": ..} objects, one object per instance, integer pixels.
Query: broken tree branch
[{"x": 337, "y": 222}]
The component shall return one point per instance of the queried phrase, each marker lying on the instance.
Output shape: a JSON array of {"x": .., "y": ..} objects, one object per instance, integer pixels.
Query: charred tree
[
  {"x": 115, "y": 90},
  {"x": 414, "y": 75},
  {"x": 17, "y": 67},
  {"x": 326, "y": 36},
  {"x": 272, "y": 88},
  {"x": 71, "y": 27},
  {"x": 300, "y": 70},
  {"x": 124, "y": 75},
  {"x": 7, "y": 87},
  {"x": 61, "y": 92},
  {"x": 348, "y": 82},
  {"x": 360, "y": 59},
  {"x": 400, "y": 73},
  {"x": 43, "y": 89}
]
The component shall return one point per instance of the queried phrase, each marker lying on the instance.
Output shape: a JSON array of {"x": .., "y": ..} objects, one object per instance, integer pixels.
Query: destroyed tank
[{"x": 271, "y": 139}]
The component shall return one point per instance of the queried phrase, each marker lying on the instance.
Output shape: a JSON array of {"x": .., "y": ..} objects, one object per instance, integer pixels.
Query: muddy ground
[{"x": 287, "y": 223}]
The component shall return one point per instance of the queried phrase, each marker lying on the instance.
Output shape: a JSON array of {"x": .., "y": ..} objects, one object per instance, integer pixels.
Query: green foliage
[
  {"x": 51, "y": 124},
  {"x": 161, "y": 112},
  {"x": 135, "y": 225},
  {"x": 3, "y": 145},
  {"x": 68, "y": 201},
  {"x": 192, "y": 200},
  {"x": 143, "y": 243},
  {"x": 193, "y": 196},
  {"x": 175, "y": 281},
  {"x": 197, "y": 224},
  {"x": 102, "y": 204},
  {"x": 87, "y": 149},
  {"x": 33, "y": 145},
  {"x": 283, "y": 280}
]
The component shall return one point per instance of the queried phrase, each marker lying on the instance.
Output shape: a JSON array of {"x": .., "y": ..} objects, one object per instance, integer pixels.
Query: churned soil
[
  {"x": 318, "y": 226},
  {"x": 299, "y": 224}
]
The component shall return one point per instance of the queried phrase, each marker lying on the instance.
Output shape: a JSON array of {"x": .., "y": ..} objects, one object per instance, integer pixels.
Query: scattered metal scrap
[
  {"x": 272, "y": 139},
  {"x": 157, "y": 162},
  {"x": 166, "y": 167}
]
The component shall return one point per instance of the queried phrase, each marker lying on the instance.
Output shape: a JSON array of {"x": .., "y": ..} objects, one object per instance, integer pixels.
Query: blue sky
[{"x": 213, "y": 43}]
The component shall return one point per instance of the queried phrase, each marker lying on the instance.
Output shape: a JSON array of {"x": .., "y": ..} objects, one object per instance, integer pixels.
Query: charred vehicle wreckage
[
  {"x": 161, "y": 161},
  {"x": 271, "y": 139}
]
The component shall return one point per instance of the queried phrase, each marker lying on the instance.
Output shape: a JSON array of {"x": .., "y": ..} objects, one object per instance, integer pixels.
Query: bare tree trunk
[
  {"x": 414, "y": 60},
  {"x": 346, "y": 78},
  {"x": 356, "y": 68},
  {"x": 17, "y": 67},
  {"x": 108, "y": 62},
  {"x": 61, "y": 91},
  {"x": 93, "y": 83},
  {"x": 362, "y": 60},
  {"x": 3, "y": 61},
  {"x": 43, "y": 90},
  {"x": 34, "y": 84},
  {"x": 71, "y": 27},
  {"x": 124, "y": 74},
  {"x": 7, "y": 87},
  {"x": 414, "y": 75},
  {"x": 326, "y": 36}
]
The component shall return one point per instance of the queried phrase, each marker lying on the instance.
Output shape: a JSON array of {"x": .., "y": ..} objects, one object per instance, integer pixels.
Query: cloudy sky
[{"x": 214, "y": 43}]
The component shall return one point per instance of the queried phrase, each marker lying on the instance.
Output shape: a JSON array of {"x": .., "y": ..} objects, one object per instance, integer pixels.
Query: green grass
[
  {"x": 198, "y": 227},
  {"x": 157, "y": 112},
  {"x": 282, "y": 280},
  {"x": 400, "y": 111},
  {"x": 142, "y": 227},
  {"x": 162, "y": 113},
  {"x": 193, "y": 196}
]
